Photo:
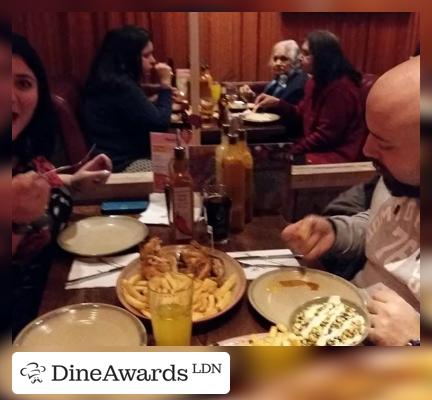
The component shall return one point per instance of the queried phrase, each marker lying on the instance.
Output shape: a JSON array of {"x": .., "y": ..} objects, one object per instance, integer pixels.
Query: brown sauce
[{"x": 298, "y": 282}]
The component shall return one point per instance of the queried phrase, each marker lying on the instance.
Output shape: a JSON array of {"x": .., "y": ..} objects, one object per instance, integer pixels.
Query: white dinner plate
[
  {"x": 260, "y": 118},
  {"x": 276, "y": 295},
  {"x": 102, "y": 236},
  {"x": 85, "y": 324}
]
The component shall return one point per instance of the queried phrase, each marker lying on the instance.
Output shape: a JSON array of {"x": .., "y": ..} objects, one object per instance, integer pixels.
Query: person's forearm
[
  {"x": 66, "y": 179},
  {"x": 350, "y": 235}
]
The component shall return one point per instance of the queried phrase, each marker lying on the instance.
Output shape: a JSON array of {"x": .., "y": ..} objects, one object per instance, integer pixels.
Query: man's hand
[
  {"x": 94, "y": 173},
  {"x": 312, "y": 237},
  {"x": 31, "y": 194},
  {"x": 393, "y": 321},
  {"x": 265, "y": 101}
]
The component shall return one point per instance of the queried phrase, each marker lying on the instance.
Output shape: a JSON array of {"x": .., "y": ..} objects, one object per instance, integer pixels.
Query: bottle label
[{"x": 182, "y": 212}]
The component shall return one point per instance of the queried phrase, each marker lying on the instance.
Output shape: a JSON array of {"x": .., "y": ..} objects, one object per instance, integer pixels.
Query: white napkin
[
  {"x": 254, "y": 271},
  {"x": 89, "y": 266},
  {"x": 157, "y": 213}
]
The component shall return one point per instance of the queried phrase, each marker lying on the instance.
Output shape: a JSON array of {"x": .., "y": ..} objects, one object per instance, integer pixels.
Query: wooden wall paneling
[
  {"x": 177, "y": 44},
  {"x": 387, "y": 41},
  {"x": 269, "y": 32},
  {"x": 249, "y": 47},
  {"x": 236, "y": 45},
  {"x": 220, "y": 44}
]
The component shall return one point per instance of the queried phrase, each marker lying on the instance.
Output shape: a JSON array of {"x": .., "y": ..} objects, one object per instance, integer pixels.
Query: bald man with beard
[{"x": 389, "y": 233}]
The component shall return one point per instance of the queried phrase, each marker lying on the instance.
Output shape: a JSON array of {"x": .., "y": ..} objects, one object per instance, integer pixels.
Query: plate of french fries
[
  {"x": 278, "y": 335},
  {"x": 219, "y": 281}
]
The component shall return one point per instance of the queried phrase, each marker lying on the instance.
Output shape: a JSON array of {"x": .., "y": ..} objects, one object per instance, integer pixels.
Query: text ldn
[
  {"x": 205, "y": 368},
  {"x": 111, "y": 374}
]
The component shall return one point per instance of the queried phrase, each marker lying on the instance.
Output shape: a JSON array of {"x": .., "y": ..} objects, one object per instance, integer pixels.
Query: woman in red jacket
[{"x": 332, "y": 110}]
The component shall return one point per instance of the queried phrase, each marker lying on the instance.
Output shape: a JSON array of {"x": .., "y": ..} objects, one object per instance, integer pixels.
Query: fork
[{"x": 72, "y": 166}]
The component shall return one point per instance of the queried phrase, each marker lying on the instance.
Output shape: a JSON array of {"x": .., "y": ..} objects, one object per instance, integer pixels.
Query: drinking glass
[
  {"x": 171, "y": 310},
  {"x": 217, "y": 206}
]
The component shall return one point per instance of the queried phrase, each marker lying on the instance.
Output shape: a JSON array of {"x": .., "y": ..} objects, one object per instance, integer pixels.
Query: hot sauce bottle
[{"x": 181, "y": 198}]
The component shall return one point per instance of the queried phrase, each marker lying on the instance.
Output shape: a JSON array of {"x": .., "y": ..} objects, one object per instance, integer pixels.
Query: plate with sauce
[{"x": 276, "y": 295}]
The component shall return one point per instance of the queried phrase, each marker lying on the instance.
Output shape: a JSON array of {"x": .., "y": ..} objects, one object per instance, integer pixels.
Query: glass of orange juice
[
  {"x": 170, "y": 300},
  {"x": 216, "y": 91}
]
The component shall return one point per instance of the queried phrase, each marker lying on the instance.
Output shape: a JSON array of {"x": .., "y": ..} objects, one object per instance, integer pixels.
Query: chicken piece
[
  {"x": 151, "y": 247},
  {"x": 218, "y": 270},
  {"x": 153, "y": 261},
  {"x": 196, "y": 261}
]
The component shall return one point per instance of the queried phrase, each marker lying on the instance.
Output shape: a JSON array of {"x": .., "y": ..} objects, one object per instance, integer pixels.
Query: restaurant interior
[{"x": 211, "y": 194}]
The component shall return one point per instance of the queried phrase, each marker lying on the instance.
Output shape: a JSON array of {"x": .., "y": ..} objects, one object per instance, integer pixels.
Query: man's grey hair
[{"x": 291, "y": 49}]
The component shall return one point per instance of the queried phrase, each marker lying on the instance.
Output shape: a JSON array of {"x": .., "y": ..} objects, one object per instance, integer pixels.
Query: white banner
[{"x": 121, "y": 373}]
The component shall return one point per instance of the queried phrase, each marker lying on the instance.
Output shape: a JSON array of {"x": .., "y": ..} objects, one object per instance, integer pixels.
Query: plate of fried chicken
[{"x": 207, "y": 267}]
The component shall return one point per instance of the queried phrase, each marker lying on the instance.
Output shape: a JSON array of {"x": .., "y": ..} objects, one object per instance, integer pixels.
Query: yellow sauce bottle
[
  {"x": 221, "y": 151},
  {"x": 248, "y": 163},
  {"x": 234, "y": 179}
]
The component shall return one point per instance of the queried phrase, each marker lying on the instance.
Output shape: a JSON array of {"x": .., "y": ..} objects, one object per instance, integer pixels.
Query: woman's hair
[
  {"x": 119, "y": 56},
  {"x": 329, "y": 61},
  {"x": 38, "y": 137},
  {"x": 291, "y": 49}
]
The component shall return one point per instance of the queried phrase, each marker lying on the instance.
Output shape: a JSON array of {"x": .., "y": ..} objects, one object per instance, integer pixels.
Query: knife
[
  {"x": 271, "y": 257},
  {"x": 97, "y": 275},
  {"x": 88, "y": 277}
]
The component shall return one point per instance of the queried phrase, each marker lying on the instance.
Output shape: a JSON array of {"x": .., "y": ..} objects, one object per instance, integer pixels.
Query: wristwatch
[
  {"x": 414, "y": 342},
  {"x": 40, "y": 224}
]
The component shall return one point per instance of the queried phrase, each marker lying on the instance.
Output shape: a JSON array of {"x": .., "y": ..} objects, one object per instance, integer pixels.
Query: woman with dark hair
[
  {"x": 117, "y": 114},
  {"x": 332, "y": 111},
  {"x": 41, "y": 199}
]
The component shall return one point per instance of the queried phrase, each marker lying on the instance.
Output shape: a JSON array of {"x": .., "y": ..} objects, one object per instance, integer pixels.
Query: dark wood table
[
  {"x": 257, "y": 133},
  {"x": 261, "y": 234}
]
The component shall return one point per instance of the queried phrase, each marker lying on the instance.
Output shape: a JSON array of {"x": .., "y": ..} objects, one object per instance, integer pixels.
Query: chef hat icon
[{"x": 33, "y": 371}]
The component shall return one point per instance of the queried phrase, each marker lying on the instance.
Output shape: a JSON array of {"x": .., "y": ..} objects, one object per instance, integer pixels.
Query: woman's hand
[
  {"x": 94, "y": 173},
  {"x": 164, "y": 72},
  {"x": 31, "y": 193},
  {"x": 265, "y": 101},
  {"x": 394, "y": 322}
]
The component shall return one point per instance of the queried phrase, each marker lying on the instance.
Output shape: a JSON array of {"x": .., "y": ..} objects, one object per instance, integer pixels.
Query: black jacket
[
  {"x": 288, "y": 87},
  {"x": 118, "y": 118}
]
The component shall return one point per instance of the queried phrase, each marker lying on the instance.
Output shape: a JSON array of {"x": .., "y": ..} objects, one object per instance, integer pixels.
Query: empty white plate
[{"x": 102, "y": 236}]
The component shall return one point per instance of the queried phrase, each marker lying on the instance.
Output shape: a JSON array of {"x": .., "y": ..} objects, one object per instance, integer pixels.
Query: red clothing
[{"x": 334, "y": 128}]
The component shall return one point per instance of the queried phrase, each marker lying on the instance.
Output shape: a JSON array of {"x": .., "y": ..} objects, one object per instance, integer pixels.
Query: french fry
[
  {"x": 134, "y": 278},
  {"x": 133, "y": 292},
  {"x": 277, "y": 336},
  {"x": 133, "y": 301},
  {"x": 145, "y": 312},
  {"x": 228, "y": 285},
  {"x": 224, "y": 301}
]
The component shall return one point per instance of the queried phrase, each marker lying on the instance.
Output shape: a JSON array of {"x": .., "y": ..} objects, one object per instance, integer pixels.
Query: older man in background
[{"x": 388, "y": 234}]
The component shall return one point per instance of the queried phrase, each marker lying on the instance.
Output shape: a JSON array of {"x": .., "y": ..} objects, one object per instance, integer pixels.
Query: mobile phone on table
[{"x": 124, "y": 206}]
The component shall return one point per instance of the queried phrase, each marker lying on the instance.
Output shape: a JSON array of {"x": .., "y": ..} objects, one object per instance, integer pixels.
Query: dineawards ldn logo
[
  {"x": 33, "y": 371},
  {"x": 121, "y": 372}
]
